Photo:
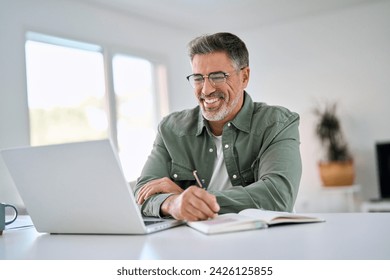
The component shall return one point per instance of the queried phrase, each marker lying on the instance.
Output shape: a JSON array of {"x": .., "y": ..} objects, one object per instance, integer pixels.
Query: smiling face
[{"x": 219, "y": 103}]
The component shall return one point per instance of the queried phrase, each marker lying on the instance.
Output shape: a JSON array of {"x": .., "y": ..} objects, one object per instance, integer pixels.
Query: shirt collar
[{"x": 242, "y": 121}]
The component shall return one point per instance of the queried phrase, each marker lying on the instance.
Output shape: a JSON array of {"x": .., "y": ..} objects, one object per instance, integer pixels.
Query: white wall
[{"x": 342, "y": 55}]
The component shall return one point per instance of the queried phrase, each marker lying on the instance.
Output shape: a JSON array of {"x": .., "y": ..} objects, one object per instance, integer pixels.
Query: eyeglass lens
[{"x": 215, "y": 78}]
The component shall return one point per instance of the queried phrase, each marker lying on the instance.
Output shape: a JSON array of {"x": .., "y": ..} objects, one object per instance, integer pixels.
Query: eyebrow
[{"x": 210, "y": 73}]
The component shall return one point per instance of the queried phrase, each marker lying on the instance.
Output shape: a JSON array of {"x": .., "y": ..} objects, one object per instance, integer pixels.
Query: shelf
[{"x": 376, "y": 206}]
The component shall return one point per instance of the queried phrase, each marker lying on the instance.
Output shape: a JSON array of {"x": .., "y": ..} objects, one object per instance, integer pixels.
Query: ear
[{"x": 245, "y": 76}]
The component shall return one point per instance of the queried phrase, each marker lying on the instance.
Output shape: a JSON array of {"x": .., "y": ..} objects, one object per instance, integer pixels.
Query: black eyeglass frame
[{"x": 226, "y": 75}]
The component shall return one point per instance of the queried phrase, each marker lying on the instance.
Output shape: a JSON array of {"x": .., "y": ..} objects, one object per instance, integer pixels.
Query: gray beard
[{"x": 221, "y": 113}]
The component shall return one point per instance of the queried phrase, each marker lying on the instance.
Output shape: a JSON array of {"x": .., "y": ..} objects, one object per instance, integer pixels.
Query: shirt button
[
  {"x": 234, "y": 176},
  {"x": 226, "y": 146},
  {"x": 211, "y": 150},
  {"x": 229, "y": 124},
  {"x": 175, "y": 176}
]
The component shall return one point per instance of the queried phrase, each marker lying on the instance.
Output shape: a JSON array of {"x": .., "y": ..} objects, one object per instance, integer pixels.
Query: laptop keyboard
[{"x": 147, "y": 223}]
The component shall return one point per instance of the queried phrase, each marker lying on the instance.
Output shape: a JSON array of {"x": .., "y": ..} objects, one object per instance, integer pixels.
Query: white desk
[{"x": 342, "y": 236}]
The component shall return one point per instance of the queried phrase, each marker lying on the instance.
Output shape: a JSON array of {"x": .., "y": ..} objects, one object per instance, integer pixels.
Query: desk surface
[{"x": 342, "y": 236}]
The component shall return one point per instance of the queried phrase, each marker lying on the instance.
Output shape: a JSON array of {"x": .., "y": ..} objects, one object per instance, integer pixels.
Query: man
[{"x": 246, "y": 154}]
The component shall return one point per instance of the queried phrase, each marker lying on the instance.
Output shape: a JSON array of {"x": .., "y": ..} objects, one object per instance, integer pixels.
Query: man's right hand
[
  {"x": 162, "y": 185},
  {"x": 193, "y": 204}
]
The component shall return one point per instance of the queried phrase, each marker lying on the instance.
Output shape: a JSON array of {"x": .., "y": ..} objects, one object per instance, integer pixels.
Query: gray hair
[{"x": 229, "y": 43}]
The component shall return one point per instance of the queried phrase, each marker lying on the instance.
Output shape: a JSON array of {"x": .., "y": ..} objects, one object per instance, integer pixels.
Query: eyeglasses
[{"x": 215, "y": 78}]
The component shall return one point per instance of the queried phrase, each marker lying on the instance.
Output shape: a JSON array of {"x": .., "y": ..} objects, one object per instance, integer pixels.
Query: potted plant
[{"x": 337, "y": 168}]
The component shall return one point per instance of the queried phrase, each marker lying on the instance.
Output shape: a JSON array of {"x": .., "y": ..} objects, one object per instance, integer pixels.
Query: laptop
[{"x": 78, "y": 188}]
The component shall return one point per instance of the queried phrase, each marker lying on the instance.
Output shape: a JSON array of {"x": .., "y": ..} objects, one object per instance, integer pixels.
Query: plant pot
[{"x": 337, "y": 173}]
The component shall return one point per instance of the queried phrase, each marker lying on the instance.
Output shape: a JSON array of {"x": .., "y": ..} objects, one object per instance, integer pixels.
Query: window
[
  {"x": 66, "y": 94},
  {"x": 70, "y": 98},
  {"x": 136, "y": 110}
]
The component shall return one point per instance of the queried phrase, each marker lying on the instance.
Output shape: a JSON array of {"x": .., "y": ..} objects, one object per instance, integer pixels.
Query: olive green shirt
[{"x": 260, "y": 149}]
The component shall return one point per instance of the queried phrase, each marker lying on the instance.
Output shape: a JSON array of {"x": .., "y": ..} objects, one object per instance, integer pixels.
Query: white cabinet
[{"x": 341, "y": 198}]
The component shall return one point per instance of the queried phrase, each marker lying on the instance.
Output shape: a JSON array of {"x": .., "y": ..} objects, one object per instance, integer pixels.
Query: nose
[{"x": 207, "y": 87}]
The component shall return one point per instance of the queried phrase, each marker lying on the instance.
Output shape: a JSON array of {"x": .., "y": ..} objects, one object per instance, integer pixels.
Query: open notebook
[{"x": 249, "y": 219}]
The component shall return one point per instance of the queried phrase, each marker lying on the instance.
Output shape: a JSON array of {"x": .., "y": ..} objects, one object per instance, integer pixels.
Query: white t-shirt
[{"x": 220, "y": 179}]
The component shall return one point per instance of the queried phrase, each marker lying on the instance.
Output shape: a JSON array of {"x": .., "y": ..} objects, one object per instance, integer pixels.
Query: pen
[
  {"x": 197, "y": 178},
  {"x": 199, "y": 183}
]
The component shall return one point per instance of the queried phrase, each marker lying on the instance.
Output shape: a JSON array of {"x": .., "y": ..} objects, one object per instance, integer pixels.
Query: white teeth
[{"x": 209, "y": 101}]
